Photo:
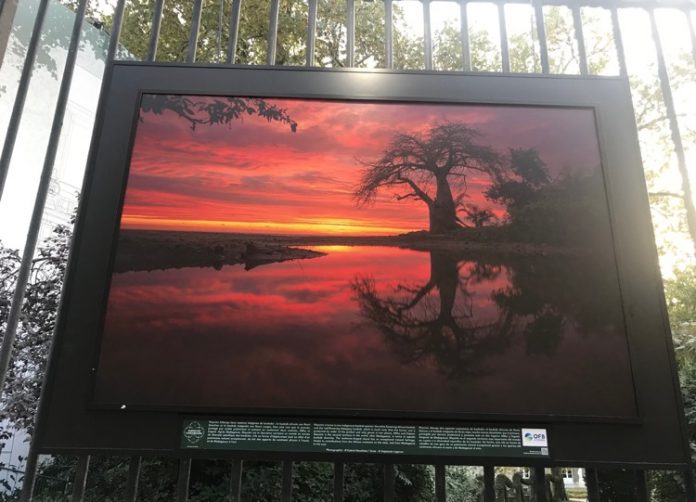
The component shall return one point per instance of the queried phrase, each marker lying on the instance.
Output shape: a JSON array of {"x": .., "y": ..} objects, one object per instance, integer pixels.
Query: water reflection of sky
[{"x": 292, "y": 335}]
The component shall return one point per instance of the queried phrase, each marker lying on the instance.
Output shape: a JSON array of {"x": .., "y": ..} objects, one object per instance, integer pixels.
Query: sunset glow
[
  {"x": 325, "y": 226},
  {"x": 265, "y": 291},
  {"x": 256, "y": 176}
]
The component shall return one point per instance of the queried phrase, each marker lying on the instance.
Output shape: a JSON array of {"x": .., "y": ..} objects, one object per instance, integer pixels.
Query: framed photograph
[{"x": 376, "y": 246}]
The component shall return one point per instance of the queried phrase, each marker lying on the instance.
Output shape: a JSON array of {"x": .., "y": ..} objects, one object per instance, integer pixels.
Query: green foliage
[
  {"x": 485, "y": 55},
  {"x": 365, "y": 482},
  {"x": 666, "y": 486},
  {"x": 524, "y": 57},
  {"x": 55, "y": 35},
  {"x": 261, "y": 481},
  {"x": 560, "y": 40},
  {"x": 464, "y": 483},
  {"x": 35, "y": 329},
  {"x": 617, "y": 485},
  {"x": 447, "y": 48},
  {"x": 252, "y": 43},
  {"x": 107, "y": 479},
  {"x": 668, "y": 202},
  {"x": 687, "y": 376},
  {"x": 680, "y": 293},
  {"x": 313, "y": 481}
]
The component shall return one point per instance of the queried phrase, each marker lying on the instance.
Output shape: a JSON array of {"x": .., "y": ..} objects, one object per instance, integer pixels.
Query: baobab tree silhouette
[{"x": 430, "y": 167}]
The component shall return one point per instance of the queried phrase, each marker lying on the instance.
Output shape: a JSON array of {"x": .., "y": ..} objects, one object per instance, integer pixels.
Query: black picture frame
[{"x": 69, "y": 424}]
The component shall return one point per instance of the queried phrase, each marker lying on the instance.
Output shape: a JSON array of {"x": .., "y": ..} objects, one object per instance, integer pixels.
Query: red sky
[{"x": 258, "y": 177}]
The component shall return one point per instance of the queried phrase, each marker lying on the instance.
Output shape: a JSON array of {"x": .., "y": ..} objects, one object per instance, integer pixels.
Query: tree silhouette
[
  {"x": 427, "y": 167},
  {"x": 478, "y": 216},
  {"x": 542, "y": 300},
  {"x": 518, "y": 185},
  {"x": 428, "y": 321},
  {"x": 214, "y": 111}
]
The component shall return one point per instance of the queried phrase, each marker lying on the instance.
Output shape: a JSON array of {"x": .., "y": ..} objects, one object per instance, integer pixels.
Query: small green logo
[{"x": 194, "y": 432}]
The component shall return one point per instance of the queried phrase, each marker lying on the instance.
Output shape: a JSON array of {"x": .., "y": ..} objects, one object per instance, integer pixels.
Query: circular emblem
[{"x": 194, "y": 432}]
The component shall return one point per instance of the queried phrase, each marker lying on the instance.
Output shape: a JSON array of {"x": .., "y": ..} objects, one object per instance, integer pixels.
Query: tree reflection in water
[
  {"x": 433, "y": 320},
  {"x": 541, "y": 299}
]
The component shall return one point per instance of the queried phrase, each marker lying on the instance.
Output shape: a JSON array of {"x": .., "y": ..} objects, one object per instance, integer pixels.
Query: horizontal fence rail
[
  {"x": 235, "y": 18},
  {"x": 495, "y": 486}
]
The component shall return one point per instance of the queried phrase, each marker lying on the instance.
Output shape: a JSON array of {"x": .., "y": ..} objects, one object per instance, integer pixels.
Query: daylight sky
[{"x": 259, "y": 177}]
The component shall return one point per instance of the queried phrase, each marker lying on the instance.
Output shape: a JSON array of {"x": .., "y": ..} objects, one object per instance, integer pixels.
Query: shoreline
[{"x": 143, "y": 250}]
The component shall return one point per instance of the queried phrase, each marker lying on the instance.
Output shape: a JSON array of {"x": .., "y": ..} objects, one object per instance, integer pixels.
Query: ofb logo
[
  {"x": 194, "y": 432},
  {"x": 535, "y": 437}
]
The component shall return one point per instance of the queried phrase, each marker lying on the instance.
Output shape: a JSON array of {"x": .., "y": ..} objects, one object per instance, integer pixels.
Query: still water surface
[{"x": 371, "y": 328}]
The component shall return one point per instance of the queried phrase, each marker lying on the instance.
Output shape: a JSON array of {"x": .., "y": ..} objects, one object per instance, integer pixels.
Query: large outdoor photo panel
[
  {"x": 364, "y": 256},
  {"x": 373, "y": 248}
]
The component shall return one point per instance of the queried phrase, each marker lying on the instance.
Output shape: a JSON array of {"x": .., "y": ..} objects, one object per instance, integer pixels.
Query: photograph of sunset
[{"x": 365, "y": 257}]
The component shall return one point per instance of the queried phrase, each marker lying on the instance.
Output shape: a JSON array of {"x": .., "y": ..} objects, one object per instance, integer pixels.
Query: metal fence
[{"x": 613, "y": 7}]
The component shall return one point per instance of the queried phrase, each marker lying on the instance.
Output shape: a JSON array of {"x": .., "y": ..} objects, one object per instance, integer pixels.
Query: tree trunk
[
  {"x": 445, "y": 275},
  {"x": 443, "y": 214}
]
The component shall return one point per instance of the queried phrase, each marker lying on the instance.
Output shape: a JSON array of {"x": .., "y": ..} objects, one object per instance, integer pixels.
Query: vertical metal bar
[
  {"x": 234, "y": 31},
  {"x": 7, "y": 14},
  {"x": 311, "y": 32},
  {"x": 504, "y": 50},
  {"x": 273, "y": 32},
  {"x": 154, "y": 34},
  {"x": 338, "y": 482},
  {"x": 193, "y": 36},
  {"x": 236, "y": 481},
  {"x": 440, "y": 485},
  {"x": 29, "y": 474},
  {"x": 133, "y": 479},
  {"x": 592, "y": 482},
  {"x": 618, "y": 42},
  {"x": 674, "y": 127},
  {"x": 218, "y": 38},
  {"x": 388, "y": 34},
  {"x": 389, "y": 483},
  {"x": 32, "y": 455},
  {"x": 80, "y": 482},
  {"x": 488, "y": 483},
  {"x": 541, "y": 34},
  {"x": 182, "y": 482},
  {"x": 690, "y": 484},
  {"x": 692, "y": 33},
  {"x": 427, "y": 36},
  {"x": 580, "y": 37},
  {"x": 41, "y": 194},
  {"x": 350, "y": 33},
  {"x": 115, "y": 35},
  {"x": 18, "y": 107},
  {"x": 464, "y": 33},
  {"x": 286, "y": 495},
  {"x": 641, "y": 486},
  {"x": 540, "y": 484}
]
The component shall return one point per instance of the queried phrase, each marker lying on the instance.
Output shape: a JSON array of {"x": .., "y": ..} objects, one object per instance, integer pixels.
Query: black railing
[{"x": 688, "y": 8}]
